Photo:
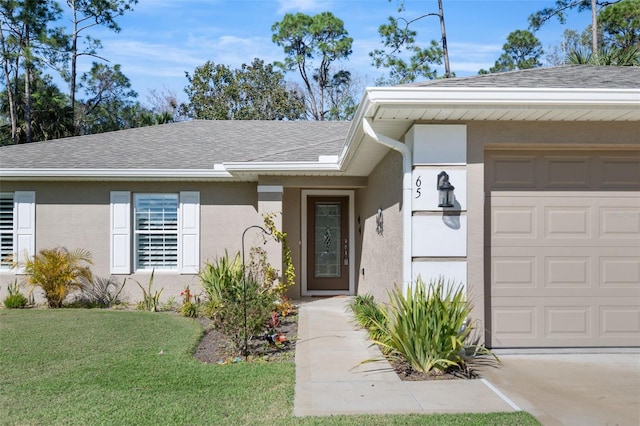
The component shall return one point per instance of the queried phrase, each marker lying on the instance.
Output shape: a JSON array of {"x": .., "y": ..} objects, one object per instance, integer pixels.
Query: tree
[
  {"x": 397, "y": 37},
  {"x": 521, "y": 51},
  {"x": 253, "y": 92},
  {"x": 618, "y": 32},
  {"x": 571, "y": 41},
  {"x": 110, "y": 104},
  {"x": 85, "y": 15},
  {"x": 165, "y": 105},
  {"x": 539, "y": 18},
  {"x": 342, "y": 94},
  {"x": 305, "y": 38},
  {"x": 620, "y": 23},
  {"x": 26, "y": 42},
  {"x": 51, "y": 116}
]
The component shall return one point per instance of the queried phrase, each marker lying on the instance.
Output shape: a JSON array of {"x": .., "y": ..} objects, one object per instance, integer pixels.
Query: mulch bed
[{"x": 217, "y": 348}]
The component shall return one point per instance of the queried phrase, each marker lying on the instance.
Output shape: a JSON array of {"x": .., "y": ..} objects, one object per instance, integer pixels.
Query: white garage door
[{"x": 564, "y": 253}]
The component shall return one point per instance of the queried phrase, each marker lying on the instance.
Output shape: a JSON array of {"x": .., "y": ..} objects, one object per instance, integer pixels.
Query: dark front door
[{"x": 328, "y": 243}]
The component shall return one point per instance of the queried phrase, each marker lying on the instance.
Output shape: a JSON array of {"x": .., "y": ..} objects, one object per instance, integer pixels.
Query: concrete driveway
[{"x": 572, "y": 389}]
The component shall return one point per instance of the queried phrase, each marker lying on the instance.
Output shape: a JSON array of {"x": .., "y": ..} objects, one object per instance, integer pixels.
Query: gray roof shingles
[
  {"x": 200, "y": 144},
  {"x": 197, "y": 144},
  {"x": 563, "y": 77}
]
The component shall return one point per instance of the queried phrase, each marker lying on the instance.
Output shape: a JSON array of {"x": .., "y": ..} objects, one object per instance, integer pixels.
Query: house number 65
[{"x": 418, "y": 185}]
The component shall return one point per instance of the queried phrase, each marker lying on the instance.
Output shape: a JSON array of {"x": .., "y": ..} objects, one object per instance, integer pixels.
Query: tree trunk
[
  {"x": 27, "y": 86},
  {"x": 594, "y": 28},
  {"x": 74, "y": 60},
  {"x": 445, "y": 50},
  {"x": 7, "y": 79}
]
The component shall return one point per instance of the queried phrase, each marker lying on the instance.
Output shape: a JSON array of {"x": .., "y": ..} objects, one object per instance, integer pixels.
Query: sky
[{"x": 160, "y": 40}]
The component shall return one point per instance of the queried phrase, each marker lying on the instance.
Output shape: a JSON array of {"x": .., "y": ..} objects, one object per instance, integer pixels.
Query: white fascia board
[
  {"x": 501, "y": 96},
  {"x": 283, "y": 167},
  {"x": 116, "y": 174}
]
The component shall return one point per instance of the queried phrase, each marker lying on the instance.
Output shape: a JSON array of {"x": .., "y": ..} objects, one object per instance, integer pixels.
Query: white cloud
[{"x": 287, "y": 6}]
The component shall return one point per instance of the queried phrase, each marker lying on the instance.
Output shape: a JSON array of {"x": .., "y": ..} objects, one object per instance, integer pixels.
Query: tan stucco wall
[
  {"x": 76, "y": 215},
  {"x": 483, "y": 135},
  {"x": 291, "y": 225},
  {"x": 381, "y": 258}
]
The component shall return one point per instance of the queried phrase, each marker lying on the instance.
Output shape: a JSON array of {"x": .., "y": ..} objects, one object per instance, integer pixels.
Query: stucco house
[{"x": 543, "y": 228}]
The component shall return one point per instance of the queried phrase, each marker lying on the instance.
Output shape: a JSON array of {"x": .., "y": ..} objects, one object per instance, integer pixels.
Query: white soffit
[{"x": 524, "y": 104}]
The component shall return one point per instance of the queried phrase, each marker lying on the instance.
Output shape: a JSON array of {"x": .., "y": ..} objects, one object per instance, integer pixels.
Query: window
[
  {"x": 6, "y": 229},
  {"x": 156, "y": 231}
]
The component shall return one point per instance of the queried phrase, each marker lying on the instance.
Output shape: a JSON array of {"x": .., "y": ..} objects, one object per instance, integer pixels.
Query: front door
[{"x": 328, "y": 244}]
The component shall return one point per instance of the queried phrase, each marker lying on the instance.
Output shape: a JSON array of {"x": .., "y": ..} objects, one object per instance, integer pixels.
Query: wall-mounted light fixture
[
  {"x": 379, "y": 222},
  {"x": 445, "y": 190}
]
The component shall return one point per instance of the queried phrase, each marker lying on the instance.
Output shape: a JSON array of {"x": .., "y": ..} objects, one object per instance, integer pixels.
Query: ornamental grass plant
[{"x": 429, "y": 326}]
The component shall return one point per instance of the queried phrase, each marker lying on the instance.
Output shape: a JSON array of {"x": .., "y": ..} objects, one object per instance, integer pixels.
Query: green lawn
[{"x": 76, "y": 366}]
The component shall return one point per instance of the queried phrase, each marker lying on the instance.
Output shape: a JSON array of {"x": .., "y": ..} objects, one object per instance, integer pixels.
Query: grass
[{"x": 76, "y": 366}]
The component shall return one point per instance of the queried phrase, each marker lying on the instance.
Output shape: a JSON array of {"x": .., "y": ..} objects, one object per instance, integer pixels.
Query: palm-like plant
[
  {"x": 606, "y": 56},
  {"x": 430, "y": 327},
  {"x": 58, "y": 271},
  {"x": 223, "y": 272}
]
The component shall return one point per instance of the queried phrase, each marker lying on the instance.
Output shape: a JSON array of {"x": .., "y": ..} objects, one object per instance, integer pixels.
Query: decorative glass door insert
[{"x": 327, "y": 240}]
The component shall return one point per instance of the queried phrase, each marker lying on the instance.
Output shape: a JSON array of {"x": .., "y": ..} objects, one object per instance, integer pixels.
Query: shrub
[
  {"x": 100, "y": 292},
  {"x": 222, "y": 272},
  {"x": 229, "y": 317},
  {"x": 223, "y": 283},
  {"x": 430, "y": 327},
  {"x": 14, "y": 299},
  {"x": 57, "y": 272}
]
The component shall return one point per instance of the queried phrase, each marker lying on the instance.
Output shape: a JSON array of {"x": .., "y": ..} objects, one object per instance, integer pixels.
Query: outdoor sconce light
[{"x": 445, "y": 190}]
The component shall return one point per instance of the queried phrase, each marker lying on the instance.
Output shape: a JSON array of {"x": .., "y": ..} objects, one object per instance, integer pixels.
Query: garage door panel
[
  {"x": 620, "y": 271},
  {"x": 514, "y": 273},
  {"x": 572, "y": 222},
  {"x": 578, "y": 322},
  {"x": 568, "y": 272},
  {"x": 619, "y": 221},
  {"x": 618, "y": 172},
  {"x": 564, "y": 249},
  {"x": 566, "y": 172},
  {"x": 514, "y": 171},
  {"x": 589, "y": 271},
  {"x": 514, "y": 222},
  {"x": 511, "y": 322},
  {"x": 570, "y": 321}
]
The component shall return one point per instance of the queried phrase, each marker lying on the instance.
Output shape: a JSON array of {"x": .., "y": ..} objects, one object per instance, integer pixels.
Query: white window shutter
[
  {"x": 24, "y": 219},
  {"x": 120, "y": 251},
  {"x": 189, "y": 232}
]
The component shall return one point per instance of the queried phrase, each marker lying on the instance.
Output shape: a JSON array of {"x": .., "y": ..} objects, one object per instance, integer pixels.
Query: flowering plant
[{"x": 189, "y": 308}]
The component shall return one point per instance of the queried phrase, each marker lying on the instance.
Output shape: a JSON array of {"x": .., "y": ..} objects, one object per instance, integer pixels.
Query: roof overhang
[
  {"x": 114, "y": 174},
  {"x": 236, "y": 171},
  {"x": 393, "y": 110}
]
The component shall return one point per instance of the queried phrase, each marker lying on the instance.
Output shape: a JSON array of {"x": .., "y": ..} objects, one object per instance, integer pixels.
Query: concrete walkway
[{"x": 330, "y": 379}]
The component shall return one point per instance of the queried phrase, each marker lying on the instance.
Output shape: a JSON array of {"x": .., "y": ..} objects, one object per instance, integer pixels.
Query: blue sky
[{"x": 161, "y": 39}]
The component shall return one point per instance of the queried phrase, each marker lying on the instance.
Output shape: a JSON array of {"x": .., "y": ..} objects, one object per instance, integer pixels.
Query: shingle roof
[
  {"x": 195, "y": 144},
  {"x": 563, "y": 77}
]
